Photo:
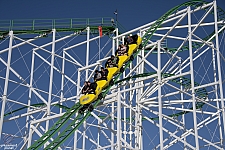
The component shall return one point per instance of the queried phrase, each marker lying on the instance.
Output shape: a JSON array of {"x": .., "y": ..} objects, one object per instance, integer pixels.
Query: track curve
[{"x": 81, "y": 118}]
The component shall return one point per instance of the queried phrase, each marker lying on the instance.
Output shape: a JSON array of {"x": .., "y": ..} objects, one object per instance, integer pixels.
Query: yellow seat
[
  {"x": 112, "y": 72},
  {"x": 132, "y": 48},
  {"x": 139, "y": 40},
  {"x": 122, "y": 60},
  {"x": 89, "y": 98},
  {"x": 102, "y": 83}
]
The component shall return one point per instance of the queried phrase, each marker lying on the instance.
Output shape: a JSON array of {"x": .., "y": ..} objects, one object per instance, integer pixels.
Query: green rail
[
  {"x": 36, "y": 105},
  {"x": 56, "y": 127},
  {"x": 185, "y": 82},
  {"x": 39, "y": 26},
  {"x": 75, "y": 124},
  {"x": 220, "y": 17},
  {"x": 201, "y": 93}
]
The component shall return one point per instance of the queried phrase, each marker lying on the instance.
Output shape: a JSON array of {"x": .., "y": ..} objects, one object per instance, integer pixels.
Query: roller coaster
[{"x": 167, "y": 93}]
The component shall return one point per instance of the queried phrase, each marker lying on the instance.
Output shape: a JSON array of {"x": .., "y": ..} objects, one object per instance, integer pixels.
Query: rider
[
  {"x": 92, "y": 87},
  {"x": 85, "y": 88},
  {"x": 131, "y": 39},
  {"x": 115, "y": 60},
  {"x": 122, "y": 50},
  {"x": 97, "y": 75},
  {"x": 109, "y": 61},
  {"x": 104, "y": 73},
  {"x": 112, "y": 62}
]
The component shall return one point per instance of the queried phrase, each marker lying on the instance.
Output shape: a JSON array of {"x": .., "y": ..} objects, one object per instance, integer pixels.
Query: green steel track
[
  {"x": 80, "y": 118},
  {"x": 36, "y": 105},
  {"x": 201, "y": 93}
]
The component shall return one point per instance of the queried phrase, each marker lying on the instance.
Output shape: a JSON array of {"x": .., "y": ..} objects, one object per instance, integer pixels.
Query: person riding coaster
[
  {"x": 122, "y": 50},
  {"x": 103, "y": 81},
  {"x": 131, "y": 39},
  {"x": 85, "y": 88},
  {"x": 112, "y": 66}
]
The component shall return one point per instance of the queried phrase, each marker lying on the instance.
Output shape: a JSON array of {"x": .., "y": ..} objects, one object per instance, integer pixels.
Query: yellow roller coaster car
[
  {"x": 89, "y": 98},
  {"x": 101, "y": 84}
]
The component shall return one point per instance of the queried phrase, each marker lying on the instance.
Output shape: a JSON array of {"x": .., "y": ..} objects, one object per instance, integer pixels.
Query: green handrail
[{"x": 28, "y": 26}]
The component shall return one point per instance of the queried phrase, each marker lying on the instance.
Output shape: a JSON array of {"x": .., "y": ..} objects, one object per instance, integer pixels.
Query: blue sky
[{"x": 131, "y": 14}]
